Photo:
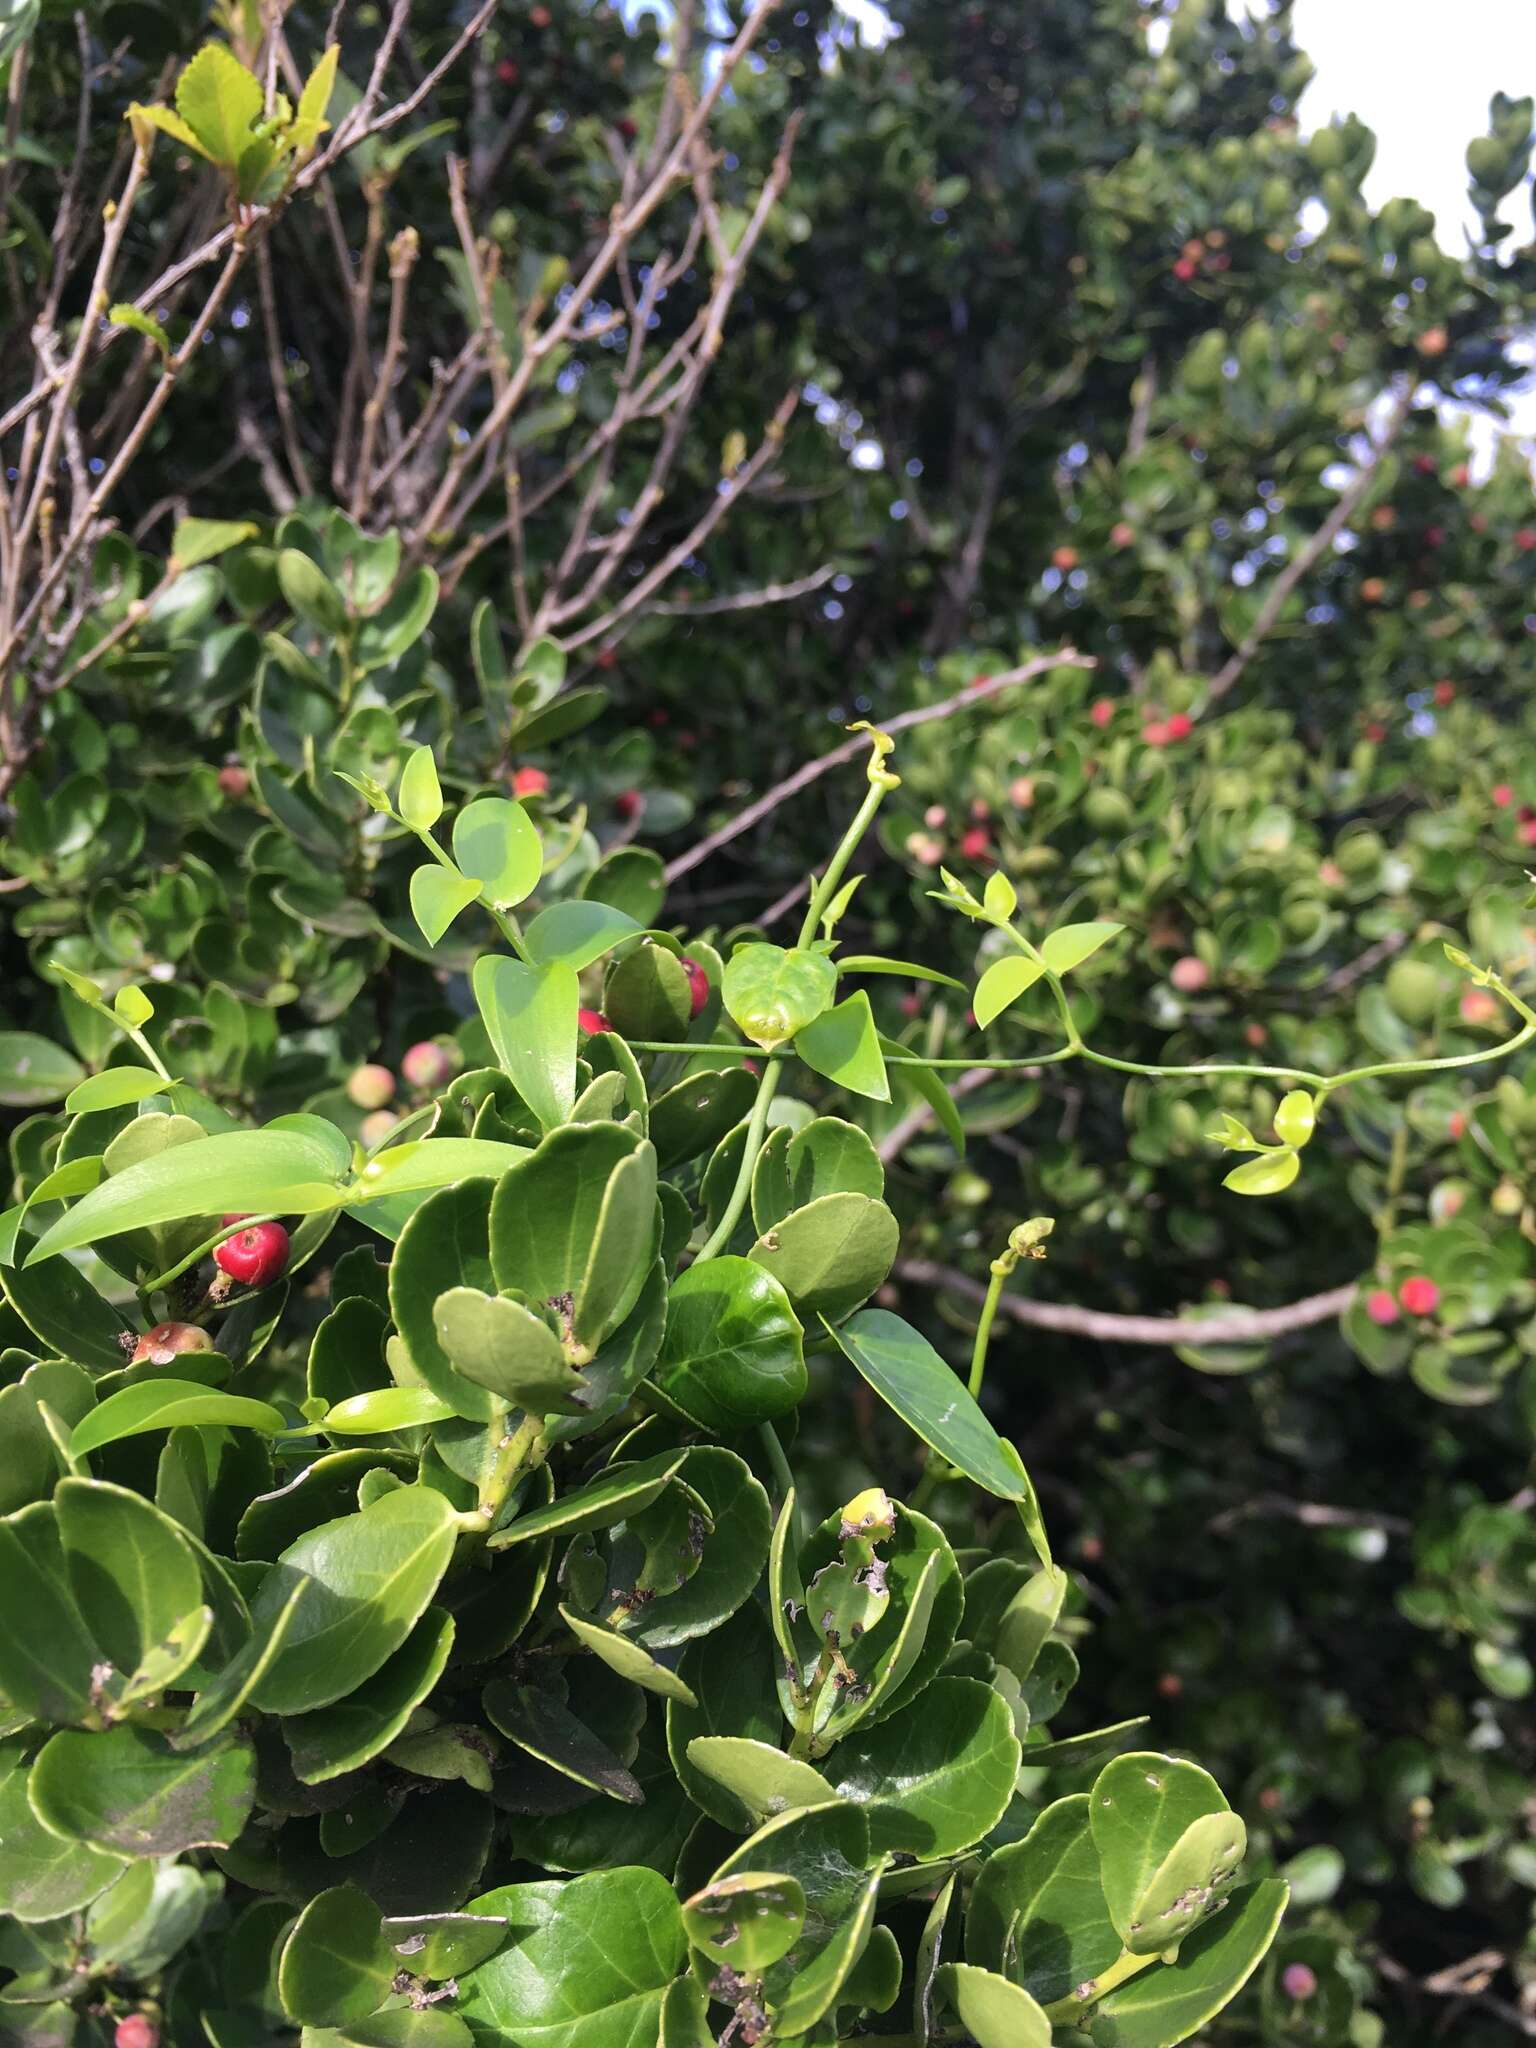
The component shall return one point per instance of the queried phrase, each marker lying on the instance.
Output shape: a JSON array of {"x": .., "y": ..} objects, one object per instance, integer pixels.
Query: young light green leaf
[
  {"x": 1002, "y": 984},
  {"x": 497, "y": 842},
  {"x": 773, "y": 992},
  {"x": 384, "y": 1408},
  {"x": 220, "y": 102},
  {"x": 114, "y": 1088},
  {"x": 203, "y": 540},
  {"x": 999, "y": 899},
  {"x": 876, "y": 963},
  {"x": 1071, "y": 944},
  {"x": 124, "y": 315},
  {"x": 530, "y": 1013},
  {"x": 842, "y": 1043},
  {"x": 1269, "y": 1174},
  {"x": 169, "y": 1404},
  {"x": 420, "y": 797},
  {"x": 437, "y": 897}
]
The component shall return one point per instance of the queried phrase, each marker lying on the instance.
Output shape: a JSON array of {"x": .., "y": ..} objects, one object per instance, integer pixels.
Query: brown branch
[
  {"x": 1310, "y": 551},
  {"x": 282, "y": 397},
  {"x": 747, "y": 600},
  {"x": 921, "y": 1114},
  {"x": 974, "y": 693},
  {"x": 403, "y": 251},
  {"x": 1237, "y": 1326}
]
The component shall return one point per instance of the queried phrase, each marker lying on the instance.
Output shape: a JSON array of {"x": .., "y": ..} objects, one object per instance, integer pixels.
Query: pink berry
[
  {"x": 376, "y": 1127},
  {"x": 590, "y": 1022},
  {"x": 935, "y": 817},
  {"x": 698, "y": 985},
  {"x": 529, "y": 782},
  {"x": 1102, "y": 712},
  {"x": 1021, "y": 792},
  {"x": 1456, "y": 1123},
  {"x": 977, "y": 843},
  {"x": 428, "y": 1065},
  {"x": 370, "y": 1087},
  {"x": 167, "y": 1341},
  {"x": 628, "y": 804},
  {"x": 1527, "y": 832},
  {"x": 1189, "y": 975},
  {"x": 1298, "y": 1981},
  {"x": 1381, "y": 1306},
  {"x": 136, "y": 2030},
  {"x": 1155, "y": 734},
  {"x": 1420, "y": 1296},
  {"x": 255, "y": 1255},
  {"x": 1502, "y": 795},
  {"x": 1184, "y": 269},
  {"x": 233, "y": 781},
  {"x": 1180, "y": 726}
]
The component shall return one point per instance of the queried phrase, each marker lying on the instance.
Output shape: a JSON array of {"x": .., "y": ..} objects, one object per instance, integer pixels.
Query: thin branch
[
  {"x": 747, "y": 600},
  {"x": 282, "y": 397},
  {"x": 1238, "y": 1326},
  {"x": 921, "y": 1115},
  {"x": 403, "y": 251},
  {"x": 1144, "y": 397},
  {"x": 1312, "y": 550},
  {"x": 854, "y": 749}
]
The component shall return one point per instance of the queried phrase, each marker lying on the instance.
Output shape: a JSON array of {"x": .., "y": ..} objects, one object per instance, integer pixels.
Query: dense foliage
[{"x": 586, "y": 429}]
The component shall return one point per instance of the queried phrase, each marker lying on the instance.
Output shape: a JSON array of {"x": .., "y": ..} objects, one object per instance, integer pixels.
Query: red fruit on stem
[
  {"x": 507, "y": 72},
  {"x": 1189, "y": 975},
  {"x": 1170, "y": 1685},
  {"x": 1376, "y": 732},
  {"x": 1180, "y": 726},
  {"x": 1102, "y": 711},
  {"x": 1372, "y": 590},
  {"x": 977, "y": 843},
  {"x": 1122, "y": 533},
  {"x": 1502, "y": 795},
  {"x": 911, "y": 1004},
  {"x": 1424, "y": 464},
  {"x": 628, "y": 804},
  {"x": 1420, "y": 1296},
  {"x": 539, "y": 17},
  {"x": 1456, "y": 1123},
  {"x": 1381, "y": 1306},
  {"x": 1185, "y": 269},
  {"x": 255, "y": 1255},
  {"x": 1525, "y": 539},
  {"x": 370, "y": 1087},
  {"x": 1298, "y": 1981},
  {"x": 698, "y": 985},
  {"x": 1445, "y": 693},
  {"x": 1155, "y": 734},
  {"x": 1528, "y": 832},
  {"x": 1434, "y": 341},
  {"x": 136, "y": 2030},
  {"x": 167, "y": 1341},
  {"x": 1064, "y": 559},
  {"x": 1461, "y": 476},
  {"x": 530, "y": 782},
  {"x": 934, "y": 817},
  {"x": 1021, "y": 792},
  {"x": 233, "y": 781},
  {"x": 429, "y": 1065},
  {"x": 1256, "y": 1035},
  {"x": 590, "y": 1022}
]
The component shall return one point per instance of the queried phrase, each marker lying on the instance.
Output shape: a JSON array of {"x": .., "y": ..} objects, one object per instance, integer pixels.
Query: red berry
[
  {"x": 1170, "y": 1685},
  {"x": 136, "y": 2030},
  {"x": 626, "y": 128},
  {"x": 1102, "y": 712},
  {"x": 1445, "y": 693},
  {"x": 1528, "y": 832},
  {"x": 539, "y": 17},
  {"x": 1502, "y": 795},
  {"x": 1420, "y": 1296},
  {"x": 698, "y": 985},
  {"x": 1424, "y": 464},
  {"x": 1021, "y": 792},
  {"x": 1064, "y": 559},
  {"x": 1122, "y": 533},
  {"x": 1375, "y": 732},
  {"x": 506, "y": 71},
  {"x": 1155, "y": 734},
  {"x": 1456, "y": 1123},
  {"x": 1184, "y": 269},
  {"x": 1461, "y": 476},
  {"x": 370, "y": 1087},
  {"x": 429, "y": 1065},
  {"x": 606, "y": 657},
  {"x": 167, "y": 1341},
  {"x": 1525, "y": 539},
  {"x": 628, "y": 804},
  {"x": 1256, "y": 1035},
  {"x": 255, "y": 1255},
  {"x": 911, "y": 1004},
  {"x": 233, "y": 780},
  {"x": 1381, "y": 1306},
  {"x": 977, "y": 843},
  {"x": 1298, "y": 1981},
  {"x": 1180, "y": 726},
  {"x": 529, "y": 782},
  {"x": 1189, "y": 975},
  {"x": 591, "y": 1022},
  {"x": 1434, "y": 536}
]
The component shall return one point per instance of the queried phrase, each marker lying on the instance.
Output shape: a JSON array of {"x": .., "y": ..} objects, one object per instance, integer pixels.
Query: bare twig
[
  {"x": 975, "y": 693},
  {"x": 920, "y": 1115},
  {"x": 747, "y": 600}
]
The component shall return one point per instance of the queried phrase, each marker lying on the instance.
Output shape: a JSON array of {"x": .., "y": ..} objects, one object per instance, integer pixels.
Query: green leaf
[
  {"x": 127, "y": 1790},
  {"x": 335, "y": 1965},
  {"x": 927, "y": 1084},
  {"x": 623, "y": 1250},
  {"x": 497, "y": 842},
  {"x": 732, "y": 1355},
  {"x": 133, "y": 1007},
  {"x": 137, "y": 1586},
  {"x": 1071, "y": 944},
  {"x": 544, "y": 1727},
  {"x": 646, "y": 995},
  {"x": 910, "y": 1376},
  {"x": 113, "y": 1088},
  {"x": 425, "y": 1164},
  {"x": 218, "y": 1702},
  {"x": 196, "y": 541},
  {"x": 590, "y": 1967},
  {"x": 34, "y": 1071},
  {"x": 384, "y": 1408},
  {"x": 284, "y": 1172},
  {"x": 1142, "y": 1804},
  {"x": 827, "y": 1157},
  {"x": 764, "y": 1779},
  {"x": 627, "y": 1658},
  {"x": 994, "y": 2012},
  {"x": 419, "y": 799},
  {"x": 578, "y": 933},
  {"x": 936, "y": 1777},
  {"x": 1002, "y": 984},
  {"x": 445, "y": 1244},
  {"x": 309, "y": 122},
  {"x": 48, "y": 1657},
  {"x": 372, "y": 1575},
  {"x": 734, "y": 1550},
  {"x": 1192, "y": 1883},
  {"x": 1269, "y": 1174},
  {"x": 220, "y": 102},
  {"x": 843, "y": 1044},
  {"x": 387, "y": 634},
  {"x": 169, "y": 1404},
  {"x": 437, "y": 897},
  {"x": 342, "y": 1738},
  {"x": 746, "y": 1921},
  {"x": 999, "y": 899},
  {"x": 622, "y": 1491},
  {"x": 503, "y": 1346},
  {"x": 310, "y": 593},
  {"x": 1169, "y": 2003},
  {"x": 59, "y": 1305},
  {"x": 832, "y": 1254},
  {"x": 557, "y": 721},
  {"x": 774, "y": 992},
  {"x": 43, "y": 1876},
  {"x": 530, "y": 1013},
  {"x": 1037, "y": 1913},
  {"x": 123, "y": 314},
  {"x": 1296, "y": 1118},
  {"x": 1027, "y": 1621},
  {"x": 876, "y": 963},
  {"x": 552, "y": 1213}
]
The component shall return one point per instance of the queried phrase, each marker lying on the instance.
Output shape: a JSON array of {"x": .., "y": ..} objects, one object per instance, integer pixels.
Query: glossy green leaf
[
  {"x": 137, "y": 1586},
  {"x": 196, "y": 541},
  {"x": 506, "y": 1348},
  {"x": 285, "y": 1172},
  {"x": 336, "y": 1964},
  {"x": 911, "y": 970},
  {"x": 530, "y": 1013},
  {"x": 113, "y": 1087},
  {"x": 843, "y": 1044},
  {"x": 746, "y": 1921},
  {"x": 126, "y": 1789},
  {"x": 930, "y": 1397},
  {"x": 732, "y": 1355},
  {"x": 1071, "y": 944},
  {"x": 734, "y": 1550},
  {"x": 549, "y": 1211},
  {"x": 219, "y": 100},
  {"x": 1002, "y": 984},
  {"x": 1027, "y": 1621},
  {"x": 1037, "y": 1912},
  {"x": 795, "y": 1168},
  {"x": 545, "y": 1728},
  {"x": 169, "y": 1404},
  {"x": 43, "y": 1876},
  {"x": 420, "y": 797},
  {"x": 219, "y": 1701},
  {"x": 1172, "y": 2001},
  {"x": 762, "y": 1778},
  {"x": 34, "y": 1071},
  {"x": 385, "y": 1408},
  {"x": 1192, "y": 1883},
  {"x": 372, "y": 1575},
  {"x": 621, "y": 1491},
  {"x": 1142, "y": 1804},
  {"x": 994, "y": 2012},
  {"x": 577, "y": 932},
  {"x": 60, "y": 1306},
  {"x": 832, "y": 1254},
  {"x": 935, "y": 1778},
  {"x": 48, "y": 1656},
  {"x": 310, "y": 592},
  {"x": 774, "y": 992},
  {"x": 626, "y": 1658},
  {"x": 437, "y": 897},
  {"x": 343, "y": 1737},
  {"x": 445, "y": 1244},
  {"x": 400, "y": 622},
  {"x": 497, "y": 842}
]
